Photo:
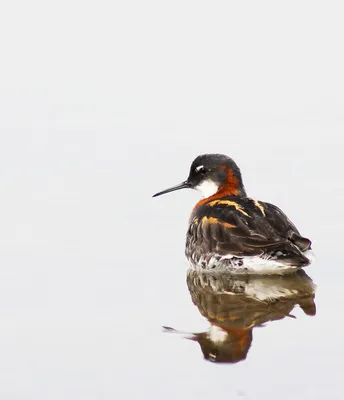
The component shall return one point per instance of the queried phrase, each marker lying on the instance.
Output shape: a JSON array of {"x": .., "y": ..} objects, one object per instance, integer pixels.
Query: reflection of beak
[{"x": 182, "y": 185}]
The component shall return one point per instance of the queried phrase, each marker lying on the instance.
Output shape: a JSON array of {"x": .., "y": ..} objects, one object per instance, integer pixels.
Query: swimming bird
[{"x": 232, "y": 232}]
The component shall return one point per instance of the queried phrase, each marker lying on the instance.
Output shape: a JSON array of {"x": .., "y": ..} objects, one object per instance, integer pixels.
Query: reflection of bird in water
[{"x": 235, "y": 305}]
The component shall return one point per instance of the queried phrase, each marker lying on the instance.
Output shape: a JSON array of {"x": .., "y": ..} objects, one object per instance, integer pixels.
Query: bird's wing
[
  {"x": 284, "y": 227},
  {"x": 230, "y": 232},
  {"x": 245, "y": 231}
]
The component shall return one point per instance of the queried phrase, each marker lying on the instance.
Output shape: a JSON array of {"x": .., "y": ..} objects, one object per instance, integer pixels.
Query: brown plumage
[
  {"x": 242, "y": 227},
  {"x": 230, "y": 230}
]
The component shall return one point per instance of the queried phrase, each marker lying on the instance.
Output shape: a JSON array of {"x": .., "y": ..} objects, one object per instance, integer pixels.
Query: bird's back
[{"x": 238, "y": 231}]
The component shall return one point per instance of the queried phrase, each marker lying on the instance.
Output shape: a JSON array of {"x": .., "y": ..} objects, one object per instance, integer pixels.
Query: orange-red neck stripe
[{"x": 230, "y": 188}]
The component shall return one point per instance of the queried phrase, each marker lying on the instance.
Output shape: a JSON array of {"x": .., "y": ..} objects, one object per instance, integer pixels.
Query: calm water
[
  {"x": 93, "y": 268},
  {"x": 84, "y": 319},
  {"x": 103, "y": 104}
]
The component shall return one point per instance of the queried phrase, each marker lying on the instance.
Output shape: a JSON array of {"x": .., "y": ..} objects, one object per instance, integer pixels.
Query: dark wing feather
[
  {"x": 284, "y": 227},
  {"x": 229, "y": 233},
  {"x": 227, "y": 230}
]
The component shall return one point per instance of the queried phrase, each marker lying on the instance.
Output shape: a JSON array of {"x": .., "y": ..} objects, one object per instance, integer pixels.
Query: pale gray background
[{"x": 104, "y": 103}]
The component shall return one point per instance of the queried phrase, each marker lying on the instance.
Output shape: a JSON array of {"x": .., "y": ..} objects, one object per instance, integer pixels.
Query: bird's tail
[{"x": 292, "y": 256}]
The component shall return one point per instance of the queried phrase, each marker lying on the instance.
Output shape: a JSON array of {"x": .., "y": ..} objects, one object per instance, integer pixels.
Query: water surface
[{"x": 103, "y": 104}]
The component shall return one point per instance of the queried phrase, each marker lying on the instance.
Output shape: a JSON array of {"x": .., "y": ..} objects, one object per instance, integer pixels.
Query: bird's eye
[{"x": 201, "y": 170}]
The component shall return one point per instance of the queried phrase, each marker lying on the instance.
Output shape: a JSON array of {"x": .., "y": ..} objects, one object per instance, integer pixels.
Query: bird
[{"x": 229, "y": 231}]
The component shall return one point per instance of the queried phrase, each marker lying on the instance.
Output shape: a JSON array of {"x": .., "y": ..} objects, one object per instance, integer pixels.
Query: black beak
[{"x": 182, "y": 185}]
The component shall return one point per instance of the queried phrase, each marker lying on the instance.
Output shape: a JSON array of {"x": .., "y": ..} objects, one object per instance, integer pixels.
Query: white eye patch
[{"x": 199, "y": 168}]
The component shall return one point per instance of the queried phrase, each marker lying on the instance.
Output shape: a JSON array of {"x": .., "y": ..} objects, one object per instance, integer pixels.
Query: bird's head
[{"x": 211, "y": 174}]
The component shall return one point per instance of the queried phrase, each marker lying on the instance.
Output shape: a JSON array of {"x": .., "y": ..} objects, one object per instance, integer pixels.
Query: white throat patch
[
  {"x": 217, "y": 334},
  {"x": 207, "y": 188}
]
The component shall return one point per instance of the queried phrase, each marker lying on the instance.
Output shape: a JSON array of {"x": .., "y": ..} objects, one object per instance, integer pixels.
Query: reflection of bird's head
[{"x": 224, "y": 345}]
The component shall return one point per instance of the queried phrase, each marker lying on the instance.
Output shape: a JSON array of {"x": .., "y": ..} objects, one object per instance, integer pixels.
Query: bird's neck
[{"x": 210, "y": 190}]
